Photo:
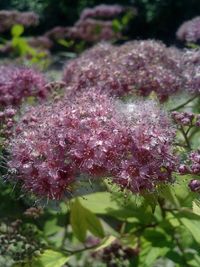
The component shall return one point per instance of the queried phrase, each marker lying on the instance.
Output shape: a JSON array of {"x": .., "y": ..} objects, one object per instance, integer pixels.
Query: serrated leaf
[
  {"x": 78, "y": 220},
  {"x": 50, "y": 258}
]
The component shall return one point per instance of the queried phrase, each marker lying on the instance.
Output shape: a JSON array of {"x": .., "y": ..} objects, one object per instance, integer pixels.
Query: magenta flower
[
  {"x": 102, "y": 11},
  {"x": 138, "y": 67},
  {"x": 194, "y": 185},
  {"x": 17, "y": 83},
  {"x": 8, "y": 18},
  {"x": 189, "y": 31},
  {"x": 192, "y": 164},
  {"x": 93, "y": 135}
]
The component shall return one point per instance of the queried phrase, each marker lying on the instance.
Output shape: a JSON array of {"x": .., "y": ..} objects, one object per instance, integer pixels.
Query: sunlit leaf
[
  {"x": 50, "y": 258},
  {"x": 17, "y": 30},
  {"x": 78, "y": 220}
]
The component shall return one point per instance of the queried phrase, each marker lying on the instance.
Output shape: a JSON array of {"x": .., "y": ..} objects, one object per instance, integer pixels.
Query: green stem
[
  {"x": 183, "y": 104},
  {"x": 185, "y": 137},
  {"x": 161, "y": 203}
]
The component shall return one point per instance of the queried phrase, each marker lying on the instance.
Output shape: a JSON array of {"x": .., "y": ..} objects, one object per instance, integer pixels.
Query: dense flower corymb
[
  {"x": 16, "y": 83},
  {"x": 138, "y": 67},
  {"x": 192, "y": 166},
  {"x": 94, "y": 135},
  {"x": 102, "y": 11},
  {"x": 189, "y": 31},
  {"x": 8, "y": 18},
  {"x": 191, "y": 70}
]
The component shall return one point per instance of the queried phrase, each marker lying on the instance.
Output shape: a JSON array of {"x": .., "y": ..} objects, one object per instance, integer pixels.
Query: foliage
[{"x": 101, "y": 169}]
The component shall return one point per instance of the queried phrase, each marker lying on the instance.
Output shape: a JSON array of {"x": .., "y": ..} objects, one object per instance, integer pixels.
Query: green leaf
[
  {"x": 116, "y": 25},
  {"x": 195, "y": 260},
  {"x": 118, "y": 207},
  {"x": 150, "y": 200},
  {"x": 66, "y": 43},
  {"x": 191, "y": 221},
  {"x": 50, "y": 258},
  {"x": 93, "y": 224},
  {"x": 196, "y": 207},
  {"x": 153, "y": 254},
  {"x": 17, "y": 30},
  {"x": 193, "y": 227},
  {"x": 78, "y": 220},
  {"x": 149, "y": 254},
  {"x": 99, "y": 203}
]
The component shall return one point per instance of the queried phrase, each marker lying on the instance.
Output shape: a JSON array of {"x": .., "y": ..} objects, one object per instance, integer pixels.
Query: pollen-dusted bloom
[
  {"x": 138, "y": 67},
  {"x": 94, "y": 135},
  {"x": 189, "y": 31},
  {"x": 17, "y": 83}
]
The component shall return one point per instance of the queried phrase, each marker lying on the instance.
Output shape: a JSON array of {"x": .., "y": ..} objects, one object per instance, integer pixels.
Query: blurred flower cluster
[
  {"x": 189, "y": 31},
  {"x": 139, "y": 67},
  {"x": 95, "y": 24},
  {"x": 12, "y": 17}
]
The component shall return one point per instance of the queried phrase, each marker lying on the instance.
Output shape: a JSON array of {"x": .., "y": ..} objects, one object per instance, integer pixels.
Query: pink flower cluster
[
  {"x": 102, "y": 11},
  {"x": 12, "y": 17},
  {"x": 17, "y": 83},
  {"x": 92, "y": 135},
  {"x": 186, "y": 118},
  {"x": 183, "y": 118},
  {"x": 194, "y": 185},
  {"x": 92, "y": 31},
  {"x": 189, "y": 31},
  {"x": 191, "y": 70},
  {"x": 7, "y": 121},
  {"x": 92, "y": 26},
  {"x": 136, "y": 67},
  {"x": 192, "y": 165}
]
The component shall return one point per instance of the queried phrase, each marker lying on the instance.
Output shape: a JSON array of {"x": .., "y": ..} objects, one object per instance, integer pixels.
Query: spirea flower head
[
  {"x": 95, "y": 24},
  {"x": 102, "y": 11},
  {"x": 194, "y": 185},
  {"x": 90, "y": 134},
  {"x": 192, "y": 164},
  {"x": 138, "y": 67},
  {"x": 93, "y": 31},
  {"x": 8, "y": 18},
  {"x": 191, "y": 70},
  {"x": 183, "y": 118},
  {"x": 17, "y": 83},
  {"x": 189, "y": 31}
]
